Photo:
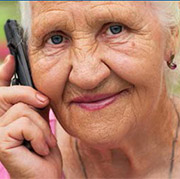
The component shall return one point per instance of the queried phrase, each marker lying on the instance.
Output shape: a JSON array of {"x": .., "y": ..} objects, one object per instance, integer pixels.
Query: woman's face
[{"x": 100, "y": 63}]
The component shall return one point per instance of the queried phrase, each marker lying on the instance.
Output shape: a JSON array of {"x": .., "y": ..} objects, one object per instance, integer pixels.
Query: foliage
[{"x": 8, "y": 10}]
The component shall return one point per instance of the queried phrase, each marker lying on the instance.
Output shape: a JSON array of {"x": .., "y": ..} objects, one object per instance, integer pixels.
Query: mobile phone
[{"x": 17, "y": 47}]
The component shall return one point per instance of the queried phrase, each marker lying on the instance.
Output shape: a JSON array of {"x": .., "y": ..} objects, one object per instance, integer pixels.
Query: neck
[{"x": 140, "y": 152}]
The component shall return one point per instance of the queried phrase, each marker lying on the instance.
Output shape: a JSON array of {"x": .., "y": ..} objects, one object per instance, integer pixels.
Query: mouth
[{"x": 97, "y": 102}]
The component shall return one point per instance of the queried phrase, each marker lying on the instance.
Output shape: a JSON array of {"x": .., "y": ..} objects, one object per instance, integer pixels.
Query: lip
[{"x": 96, "y": 102}]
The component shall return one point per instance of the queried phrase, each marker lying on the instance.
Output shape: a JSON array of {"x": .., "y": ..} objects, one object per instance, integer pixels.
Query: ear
[{"x": 172, "y": 43}]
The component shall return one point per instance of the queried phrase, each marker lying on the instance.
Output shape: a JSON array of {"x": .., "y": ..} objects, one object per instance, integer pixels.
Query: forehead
[
  {"x": 80, "y": 14},
  {"x": 85, "y": 6},
  {"x": 86, "y": 16}
]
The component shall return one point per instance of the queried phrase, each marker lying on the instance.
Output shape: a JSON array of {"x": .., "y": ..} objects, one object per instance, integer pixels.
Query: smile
[{"x": 97, "y": 102}]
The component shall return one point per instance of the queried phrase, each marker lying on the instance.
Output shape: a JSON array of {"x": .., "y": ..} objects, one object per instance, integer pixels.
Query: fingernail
[{"x": 41, "y": 97}]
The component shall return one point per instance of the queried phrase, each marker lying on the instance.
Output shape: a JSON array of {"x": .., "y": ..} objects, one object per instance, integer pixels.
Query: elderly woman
[{"x": 102, "y": 68}]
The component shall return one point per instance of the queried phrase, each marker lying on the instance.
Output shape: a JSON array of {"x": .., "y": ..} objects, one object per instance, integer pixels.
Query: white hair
[
  {"x": 25, "y": 10},
  {"x": 168, "y": 14}
]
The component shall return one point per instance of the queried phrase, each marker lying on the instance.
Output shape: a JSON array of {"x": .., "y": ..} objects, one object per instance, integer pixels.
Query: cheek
[
  {"x": 50, "y": 75},
  {"x": 140, "y": 62}
]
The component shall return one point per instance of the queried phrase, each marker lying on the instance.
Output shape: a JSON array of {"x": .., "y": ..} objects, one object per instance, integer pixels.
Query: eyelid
[
  {"x": 108, "y": 31},
  {"x": 113, "y": 24},
  {"x": 105, "y": 27},
  {"x": 49, "y": 35}
]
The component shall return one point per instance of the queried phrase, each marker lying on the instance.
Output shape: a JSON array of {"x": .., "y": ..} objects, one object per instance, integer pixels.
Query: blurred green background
[{"x": 8, "y": 10}]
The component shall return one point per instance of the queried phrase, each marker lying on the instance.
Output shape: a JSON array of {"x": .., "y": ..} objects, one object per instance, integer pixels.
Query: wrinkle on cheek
[
  {"x": 135, "y": 44},
  {"x": 152, "y": 32},
  {"x": 140, "y": 98},
  {"x": 39, "y": 57},
  {"x": 143, "y": 46},
  {"x": 51, "y": 80},
  {"x": 137, "y": 105},
  {"x": 134, "y": 113},
  {"x": 41, "y": 65},
  {"x": 126, "y": 116}
]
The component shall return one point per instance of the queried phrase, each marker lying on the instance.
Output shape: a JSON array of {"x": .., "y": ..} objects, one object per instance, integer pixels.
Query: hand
[{"x": 19, "y": 121}]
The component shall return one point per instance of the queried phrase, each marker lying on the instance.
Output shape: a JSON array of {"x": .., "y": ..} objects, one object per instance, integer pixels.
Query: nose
[{"x": 88, "y": 72}]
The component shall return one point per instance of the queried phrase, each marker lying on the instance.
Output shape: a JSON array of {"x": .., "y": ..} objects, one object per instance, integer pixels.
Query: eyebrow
[
  {"x": 54, "y": 20},
  {"x": 117, "y": 12}
]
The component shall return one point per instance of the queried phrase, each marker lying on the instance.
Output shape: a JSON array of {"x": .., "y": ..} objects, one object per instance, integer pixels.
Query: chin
[
  {"x": 102, "y": 140},
  {"x": 104, "y": 128}
]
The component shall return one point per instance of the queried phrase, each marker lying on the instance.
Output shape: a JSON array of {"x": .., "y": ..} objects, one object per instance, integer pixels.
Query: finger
[
  {"x": 14, "y": 94},
  {"x": 19, "y": 110},
  {"x": 55, "y": 157},
  {"x": 25, "y": 129},
  {"x": 7, "y": 70},
  {"x": 54, "y": 152}
]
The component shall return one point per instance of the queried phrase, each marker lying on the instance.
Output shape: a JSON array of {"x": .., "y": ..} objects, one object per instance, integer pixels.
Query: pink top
[{"x": 52, "y": 120}]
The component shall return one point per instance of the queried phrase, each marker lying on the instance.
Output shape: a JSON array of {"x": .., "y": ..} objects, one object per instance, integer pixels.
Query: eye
[
  {"x": 56, "y": 39},
  {"x": 115, "y": 29}
]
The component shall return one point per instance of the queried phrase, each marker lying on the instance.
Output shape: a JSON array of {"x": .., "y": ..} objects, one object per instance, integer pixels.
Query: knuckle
[
  {"x": 25, "y": 121},
  {"x": 39, "y": 135},
  {"x": 1, "y": 138},
  {"x": 2, "y": 91},
  {"x": 2, "y": 124},
  {"x": 3, "y": 152},
  {"x": 23, "y": 109},
  {"x": 44, "y": 125},
  {"x": 21, "y": 106},
  {"x": 3, "y": 148}
]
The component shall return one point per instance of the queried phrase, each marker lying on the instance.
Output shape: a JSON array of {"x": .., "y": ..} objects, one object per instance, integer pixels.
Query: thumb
[{"x": 7, "y": 70}]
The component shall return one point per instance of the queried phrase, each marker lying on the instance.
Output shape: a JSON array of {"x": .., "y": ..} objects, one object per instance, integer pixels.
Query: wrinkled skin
[
  {"x": 128, "y": 138},
  {"x": 91, "y": 62}
]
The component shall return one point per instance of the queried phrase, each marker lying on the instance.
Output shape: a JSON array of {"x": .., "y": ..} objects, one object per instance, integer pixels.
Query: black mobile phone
[{"x": 17, "y": 47}]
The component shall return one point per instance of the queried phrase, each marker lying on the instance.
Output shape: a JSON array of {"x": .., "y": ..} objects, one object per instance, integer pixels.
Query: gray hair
[{"x": 168, "y": 14}]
